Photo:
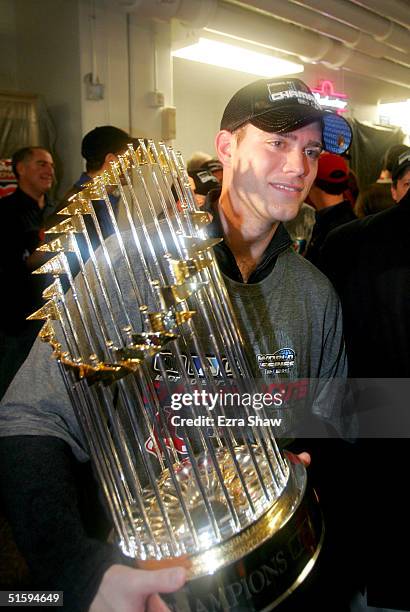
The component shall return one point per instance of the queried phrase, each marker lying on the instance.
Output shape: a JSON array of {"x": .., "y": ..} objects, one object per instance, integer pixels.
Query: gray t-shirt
[{"x": 291, "y": 319}]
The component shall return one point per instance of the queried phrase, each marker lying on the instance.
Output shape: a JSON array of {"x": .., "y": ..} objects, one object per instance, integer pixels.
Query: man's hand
[
  {"x": 131, "y": 590},
  {"x": 305, "y": 458}
]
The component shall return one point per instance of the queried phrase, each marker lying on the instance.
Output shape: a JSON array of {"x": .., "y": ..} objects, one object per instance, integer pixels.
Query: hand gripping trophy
[{"x": 150, "y": 314}]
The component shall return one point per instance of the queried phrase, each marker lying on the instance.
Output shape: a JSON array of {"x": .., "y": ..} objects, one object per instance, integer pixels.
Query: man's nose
[{"x": 296, "y": 162}]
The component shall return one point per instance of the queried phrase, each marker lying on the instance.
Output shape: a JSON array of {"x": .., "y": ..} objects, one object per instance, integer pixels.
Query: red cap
[{"x": 332, "y": 168}]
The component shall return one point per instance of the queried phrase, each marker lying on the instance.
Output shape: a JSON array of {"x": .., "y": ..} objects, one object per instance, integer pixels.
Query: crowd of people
[{"x": 280, "y": 194}]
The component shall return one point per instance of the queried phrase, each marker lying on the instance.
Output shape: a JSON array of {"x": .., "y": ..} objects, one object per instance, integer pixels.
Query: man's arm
[{"x": 39, "y": 490}]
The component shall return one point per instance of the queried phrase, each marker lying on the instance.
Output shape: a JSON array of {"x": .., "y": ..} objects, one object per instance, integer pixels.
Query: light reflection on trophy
[{"x": 229, "y": 505}]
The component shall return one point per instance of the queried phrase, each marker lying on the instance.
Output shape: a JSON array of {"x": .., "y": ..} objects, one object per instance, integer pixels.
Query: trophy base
[{"x": 278, "y": 552}]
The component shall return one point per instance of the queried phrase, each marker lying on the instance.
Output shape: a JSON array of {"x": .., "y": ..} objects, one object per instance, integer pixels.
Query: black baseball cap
[
  {"x": 284, "y": 105},
  {"x": 204, "y": 181},
  {"x": 400, "y": 165},
  {"x": 103, "y": 140},
  {"x": 213, "y": 165}
]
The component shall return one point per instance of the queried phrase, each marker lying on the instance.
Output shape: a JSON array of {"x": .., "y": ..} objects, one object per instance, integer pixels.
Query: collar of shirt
[
  {"x": 226, "y": 260},
  {"x": 84, "y": 178}
]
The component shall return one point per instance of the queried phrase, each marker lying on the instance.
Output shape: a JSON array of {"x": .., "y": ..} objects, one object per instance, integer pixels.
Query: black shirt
[
  {"x": 280, "y": 242},
  {"x": 368, "y": 262},
  {"x": 328, "y": 219},
  {"x": 23, "y": 221}
]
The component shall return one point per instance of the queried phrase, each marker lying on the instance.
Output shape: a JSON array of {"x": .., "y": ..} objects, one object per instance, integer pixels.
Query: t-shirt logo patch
[{"x": 280, "y": 362}]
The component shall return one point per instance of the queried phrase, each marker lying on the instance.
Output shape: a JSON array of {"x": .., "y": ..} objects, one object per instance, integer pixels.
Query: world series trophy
[{"x": 141, "y": 319}]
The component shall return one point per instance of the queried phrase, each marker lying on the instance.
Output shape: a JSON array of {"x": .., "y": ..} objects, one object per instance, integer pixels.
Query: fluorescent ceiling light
[{"x": 224, "y": 55}]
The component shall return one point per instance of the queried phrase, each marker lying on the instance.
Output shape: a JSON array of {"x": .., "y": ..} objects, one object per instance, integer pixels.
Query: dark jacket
[
  {"x": 23, "y": 225},
  {"x": 368, "y": 262},
  {"x": 327, "y": 219}
]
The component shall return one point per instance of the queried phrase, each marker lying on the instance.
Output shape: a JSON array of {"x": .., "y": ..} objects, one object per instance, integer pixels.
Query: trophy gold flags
[{"x": 148, "y": 345}]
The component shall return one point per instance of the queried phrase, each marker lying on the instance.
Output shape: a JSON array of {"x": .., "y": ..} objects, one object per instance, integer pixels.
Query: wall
[
  {"x": 47, "y": 42},
  {"x": 46, "y": 49},
  {"x": 201, "y": 93},
  {"x": 8, "y": 57},
  {"x": 150, "y": 70},
  {"x": 50, "y": 48},
  {"x": 110, "y": 46}
]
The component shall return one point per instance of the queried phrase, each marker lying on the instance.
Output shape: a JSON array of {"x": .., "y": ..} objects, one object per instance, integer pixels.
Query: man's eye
[
  {"x": 277, "y": 144},
  {"x": 312, "y": 153}
]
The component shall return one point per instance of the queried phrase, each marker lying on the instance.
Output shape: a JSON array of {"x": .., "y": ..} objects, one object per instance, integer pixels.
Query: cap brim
[{"x": 336, "y": 132}]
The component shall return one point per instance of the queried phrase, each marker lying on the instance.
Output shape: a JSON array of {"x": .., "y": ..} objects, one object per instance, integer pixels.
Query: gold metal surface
[
  {"x": 106, "y": 373},
  {"x": 200, "y": 217},
  {"x": 48, "y": 311},
  {"x": 53, "y": 290},
  {"x": 175, "y": 294},
  {"x": 302, "y": 576},
  {"x": 164, "y": 321},
  {"x": 184, "y": 269},
  {"x": 60, "y": 244},
  {"x": 78, "y": 204},
  {"x": 57, "y": 265},
  {"x": 47, "y": 334},
  {"x": 125, "y": 160},
  {"x": 195, "y": 245},
  {"x": 74, "y": 224}
]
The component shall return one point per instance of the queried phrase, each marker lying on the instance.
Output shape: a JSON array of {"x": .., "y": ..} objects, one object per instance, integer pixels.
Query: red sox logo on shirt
[{"x": 153, "y": 444}]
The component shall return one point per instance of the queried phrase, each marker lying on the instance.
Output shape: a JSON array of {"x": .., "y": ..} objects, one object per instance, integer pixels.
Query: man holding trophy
[{"x": 272, "y": 134}]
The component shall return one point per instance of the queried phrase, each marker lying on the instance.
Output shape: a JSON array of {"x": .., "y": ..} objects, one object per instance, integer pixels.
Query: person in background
[
  {"x": 196, "y": 160},
  {"x": 203, "y": 182},
  {"x": 301, "y": 227},
  {"x": 327, "y": 195},
  {"x": 24, "y": 214},
  {"x": 99, "y": 147},
  {"x": 215, "y": 167},
  {"x": 401, "y": 176},
  {"x": 368, "y": 261},
  {"x": 378, "y": 195},
  {"x": 352, "y": 191}
]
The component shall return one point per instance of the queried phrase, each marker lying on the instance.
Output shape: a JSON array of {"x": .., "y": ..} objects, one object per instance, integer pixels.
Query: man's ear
[
  {"x": 110, "y": 157},
  {"x": 223, "y": 146},
  {"x": 20, "y": 166}
]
